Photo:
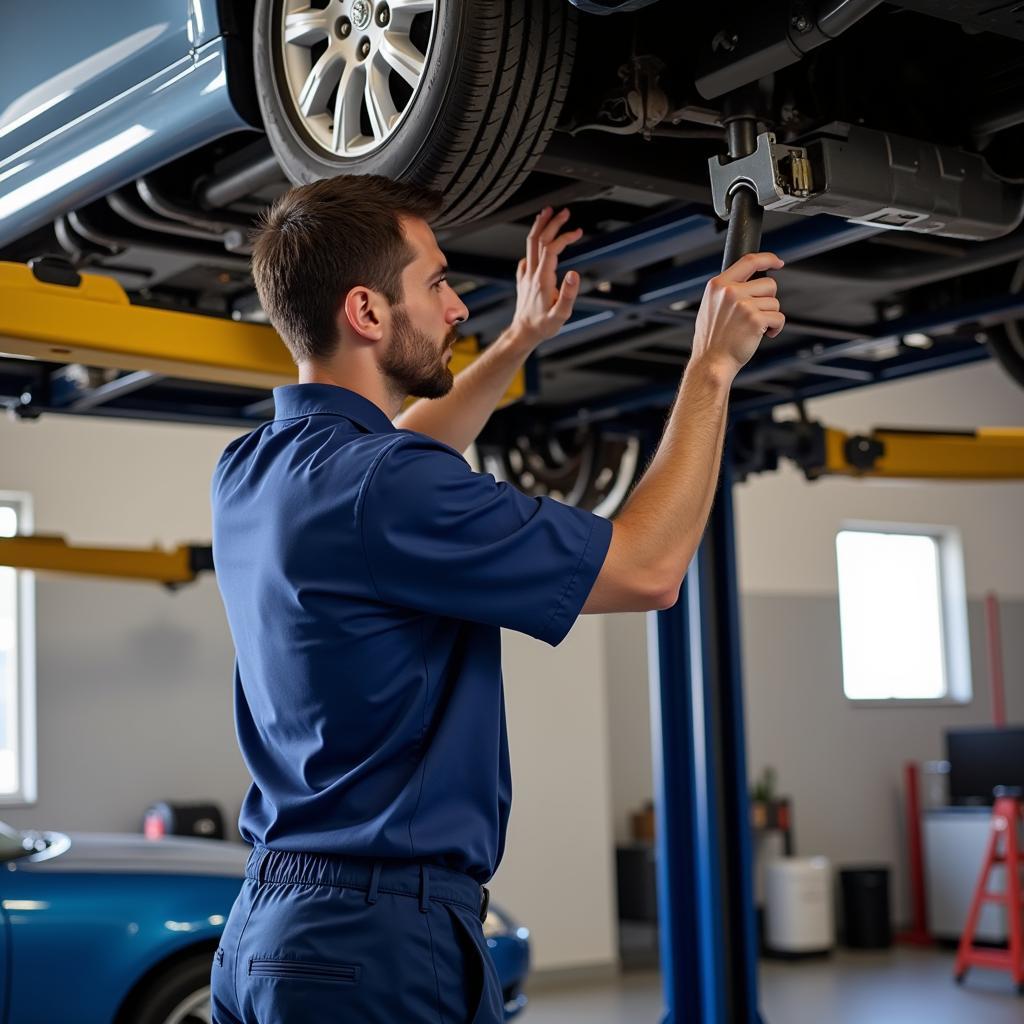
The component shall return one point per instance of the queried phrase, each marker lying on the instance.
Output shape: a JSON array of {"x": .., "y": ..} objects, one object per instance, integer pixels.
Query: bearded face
[{"x": 414, "y": 362}]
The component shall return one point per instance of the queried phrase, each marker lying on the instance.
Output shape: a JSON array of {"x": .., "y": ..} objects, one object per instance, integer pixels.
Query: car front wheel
[
  {"x": 178, "y": 995},
  {"x": 455, "y": 95}
]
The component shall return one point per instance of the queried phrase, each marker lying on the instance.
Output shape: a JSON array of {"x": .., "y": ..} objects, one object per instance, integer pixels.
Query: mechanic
[{"x": 366, "y": 570}]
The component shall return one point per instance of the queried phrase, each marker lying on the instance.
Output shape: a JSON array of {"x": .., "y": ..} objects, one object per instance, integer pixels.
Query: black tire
[
  {"x": 168, "y": 990},
  {"x": 586, "y": 468},
  {"x": 1006, "y": 344},
  {"x": 494, "y": 82}
]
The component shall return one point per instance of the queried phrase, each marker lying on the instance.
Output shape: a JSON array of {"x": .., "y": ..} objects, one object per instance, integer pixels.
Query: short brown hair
[{"x": 319, "y": 241}]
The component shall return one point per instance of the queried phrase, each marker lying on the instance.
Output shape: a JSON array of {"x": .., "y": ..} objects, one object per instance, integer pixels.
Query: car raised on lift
[{"x": 142, "y": 140}]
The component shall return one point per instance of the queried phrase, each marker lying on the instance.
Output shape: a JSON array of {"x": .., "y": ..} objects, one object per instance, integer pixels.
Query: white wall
[
  {"x": 558, "y": 871},
  {"x": 134, "y": 683}
]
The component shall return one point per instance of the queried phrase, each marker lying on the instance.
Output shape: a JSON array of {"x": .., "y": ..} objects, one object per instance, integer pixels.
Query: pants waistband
[{"x": 404, "y": 878}]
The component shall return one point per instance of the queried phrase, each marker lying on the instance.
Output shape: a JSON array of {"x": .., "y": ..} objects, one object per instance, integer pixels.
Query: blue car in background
[{"x": 118, "y": 929}]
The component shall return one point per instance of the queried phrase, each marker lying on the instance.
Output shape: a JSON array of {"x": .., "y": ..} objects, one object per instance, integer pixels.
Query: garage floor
[{"x": 870, "y": 988}]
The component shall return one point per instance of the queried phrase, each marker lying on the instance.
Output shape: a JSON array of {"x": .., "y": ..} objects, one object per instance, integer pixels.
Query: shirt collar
[{"x": 293, "y": 400}]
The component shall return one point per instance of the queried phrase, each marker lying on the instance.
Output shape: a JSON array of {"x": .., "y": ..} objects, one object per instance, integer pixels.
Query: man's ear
[{"x": 365, "y": 311}]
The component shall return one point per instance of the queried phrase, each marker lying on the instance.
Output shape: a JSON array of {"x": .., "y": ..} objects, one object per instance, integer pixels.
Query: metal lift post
[{"x": 705, "y": 891}]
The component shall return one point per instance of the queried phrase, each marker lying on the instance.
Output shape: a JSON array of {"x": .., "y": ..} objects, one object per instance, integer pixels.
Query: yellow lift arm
[
  {"x": 54, "y": 554},
  {"x": 984, "y": 454},
  {"x": 94, "y": 323}
]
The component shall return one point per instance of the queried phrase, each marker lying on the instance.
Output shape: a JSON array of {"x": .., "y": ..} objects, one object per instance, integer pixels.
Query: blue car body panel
[
  {"x": 86, "y": 939},
  {"x": 120, "y": 93},
  {"x": 85, "y": 922}
]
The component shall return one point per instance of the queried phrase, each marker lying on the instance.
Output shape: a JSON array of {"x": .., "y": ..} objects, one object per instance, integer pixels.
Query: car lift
[{"x": 708, "y": 939}]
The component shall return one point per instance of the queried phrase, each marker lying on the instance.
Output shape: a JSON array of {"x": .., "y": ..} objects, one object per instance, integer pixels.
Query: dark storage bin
[
  {"x": 865, "y": 895},
  {"x": 637, "y": 885}
]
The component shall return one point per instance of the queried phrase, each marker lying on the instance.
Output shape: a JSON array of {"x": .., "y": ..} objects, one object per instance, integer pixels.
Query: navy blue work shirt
[{"x": 365, "y": 572}]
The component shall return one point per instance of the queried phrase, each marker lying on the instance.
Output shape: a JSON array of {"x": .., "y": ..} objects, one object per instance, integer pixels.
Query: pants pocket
[
  {"x": 486, "y": 1007},
  {"x": 307, "y": 970}
]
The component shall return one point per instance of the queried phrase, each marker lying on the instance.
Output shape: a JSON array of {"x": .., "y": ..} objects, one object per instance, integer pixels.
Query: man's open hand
[{"x": 541, "y": 306}]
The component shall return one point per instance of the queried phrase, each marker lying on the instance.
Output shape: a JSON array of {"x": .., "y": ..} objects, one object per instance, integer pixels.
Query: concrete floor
[{"x": 901, "y": 986}]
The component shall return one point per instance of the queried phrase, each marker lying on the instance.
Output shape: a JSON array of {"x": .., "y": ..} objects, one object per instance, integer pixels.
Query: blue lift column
[
  {"x": 705, "y": 875},
  {"x": 705, "y": 872}
]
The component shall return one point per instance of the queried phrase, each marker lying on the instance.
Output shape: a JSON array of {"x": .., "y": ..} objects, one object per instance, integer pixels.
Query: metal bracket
[
  {"x": 875, "y": 178},
  {"x": 779, "y": 175}
]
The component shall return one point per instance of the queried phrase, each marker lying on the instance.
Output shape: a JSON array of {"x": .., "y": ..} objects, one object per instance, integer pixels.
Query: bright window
[
  {"x": 17, "y": 683},
  {"x": 903, "y": 613}
]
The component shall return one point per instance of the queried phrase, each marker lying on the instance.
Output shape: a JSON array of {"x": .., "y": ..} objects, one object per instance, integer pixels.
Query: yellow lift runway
[{"x": 95, "y": 324}]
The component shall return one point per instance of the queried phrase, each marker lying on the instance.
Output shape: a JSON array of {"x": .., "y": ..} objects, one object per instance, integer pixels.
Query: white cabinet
[{"x": 955, "y": 841}]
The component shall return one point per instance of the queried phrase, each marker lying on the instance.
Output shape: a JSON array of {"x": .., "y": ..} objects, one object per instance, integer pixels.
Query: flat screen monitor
[{"x": 981, "y": 759}]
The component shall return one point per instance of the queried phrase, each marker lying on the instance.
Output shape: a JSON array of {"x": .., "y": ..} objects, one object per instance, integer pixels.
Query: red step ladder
[{"x": 1003, "y": 848}]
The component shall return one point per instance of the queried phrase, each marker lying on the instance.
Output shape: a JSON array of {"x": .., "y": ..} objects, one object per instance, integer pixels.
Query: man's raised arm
[{"x": 656, "y": 534}]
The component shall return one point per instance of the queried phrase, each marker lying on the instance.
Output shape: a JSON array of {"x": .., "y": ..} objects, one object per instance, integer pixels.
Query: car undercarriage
[{"x": 649, "y": 99}]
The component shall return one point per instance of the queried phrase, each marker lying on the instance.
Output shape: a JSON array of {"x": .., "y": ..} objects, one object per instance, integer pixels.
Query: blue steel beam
[
  {"x": 659, "y": 396},
  {"x": 979, "y": 313},
  {"x": 81, "y": 399},
  {"x": 911, "y": 364},
  {"x": 657, "y": 238},
  {"x": 795, "y": 242},
  {"x": 818, "y": 354},
  {"x": 686, "y": 283}
]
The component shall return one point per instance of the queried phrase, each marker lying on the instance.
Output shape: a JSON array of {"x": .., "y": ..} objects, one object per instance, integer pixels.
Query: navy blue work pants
[{"x": 316, "y": 939}]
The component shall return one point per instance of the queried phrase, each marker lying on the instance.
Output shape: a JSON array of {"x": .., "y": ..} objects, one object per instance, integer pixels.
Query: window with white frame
[
  {"x": 903, "y": 613},
  {"x": 17, "y": 677}
]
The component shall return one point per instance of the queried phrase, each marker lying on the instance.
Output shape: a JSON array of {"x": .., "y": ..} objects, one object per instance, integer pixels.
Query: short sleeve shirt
[{"x": 366, "y": 573}]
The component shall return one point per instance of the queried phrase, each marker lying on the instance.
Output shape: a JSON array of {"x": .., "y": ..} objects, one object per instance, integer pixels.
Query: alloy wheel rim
[
  {"x": 353, "y": 68},
  {"x": 195, "y": 1006}
]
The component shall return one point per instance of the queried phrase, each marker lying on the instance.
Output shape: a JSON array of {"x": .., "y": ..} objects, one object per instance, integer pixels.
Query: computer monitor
[{"x": 981, "y": 759}]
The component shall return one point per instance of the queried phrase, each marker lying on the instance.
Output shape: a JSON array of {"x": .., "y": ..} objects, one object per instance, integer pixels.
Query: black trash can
[{"x": 865, "y": 895}]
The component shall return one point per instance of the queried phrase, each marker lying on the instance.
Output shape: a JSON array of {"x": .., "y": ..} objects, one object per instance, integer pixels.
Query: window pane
[
  {"x": 890, "y": 614},
  {"x": 9, "y": 782}
]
